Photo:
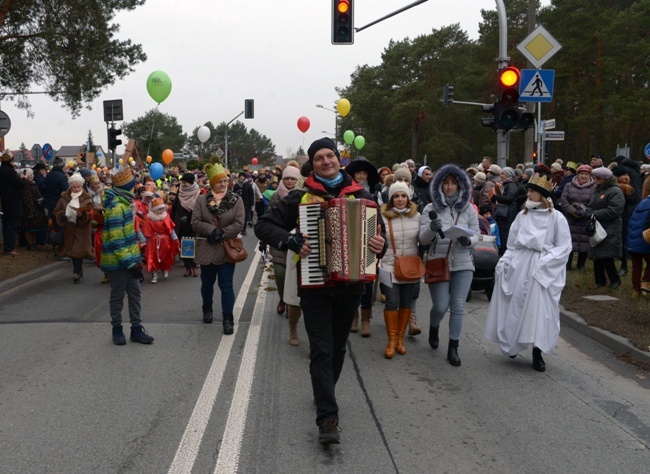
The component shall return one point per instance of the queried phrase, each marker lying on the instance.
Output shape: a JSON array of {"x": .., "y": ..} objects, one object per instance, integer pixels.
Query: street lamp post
[{"x": 336, "y": 122}]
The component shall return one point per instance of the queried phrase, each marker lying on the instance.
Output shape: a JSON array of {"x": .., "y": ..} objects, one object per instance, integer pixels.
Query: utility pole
[
  {"x": 529, "y": 137},
  {"x": 503, "y": 61}
]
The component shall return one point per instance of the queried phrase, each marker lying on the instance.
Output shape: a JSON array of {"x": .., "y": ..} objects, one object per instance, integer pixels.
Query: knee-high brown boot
[
  {"x": 293, "y": 314},
  {"x": 390, "y": 317},
  {"x": 366, "y": 315},
  {"x": 403, "y": 317}
]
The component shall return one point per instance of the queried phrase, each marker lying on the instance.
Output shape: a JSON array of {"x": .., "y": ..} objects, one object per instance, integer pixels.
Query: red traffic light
[
  {"x": 509, "y": 77},
  {"x": 343, "y": 6}
]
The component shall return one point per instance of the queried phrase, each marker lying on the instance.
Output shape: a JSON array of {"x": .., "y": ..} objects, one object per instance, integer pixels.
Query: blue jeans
[
  {"x": 450, "y": 295},
  {"x": 398, "y": 296},
  {"x": 209, "y": 275}
]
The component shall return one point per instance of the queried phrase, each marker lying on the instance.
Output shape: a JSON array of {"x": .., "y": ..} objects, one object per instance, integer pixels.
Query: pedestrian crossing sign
[{"x": 536, "y": 85}]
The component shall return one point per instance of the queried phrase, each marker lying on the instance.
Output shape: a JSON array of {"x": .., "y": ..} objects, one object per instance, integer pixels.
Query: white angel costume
[{"x": 529, "y": 279}]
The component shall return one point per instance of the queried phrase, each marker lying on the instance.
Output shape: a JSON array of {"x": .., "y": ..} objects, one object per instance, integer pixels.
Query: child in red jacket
[{"x": 162, "y": 241}]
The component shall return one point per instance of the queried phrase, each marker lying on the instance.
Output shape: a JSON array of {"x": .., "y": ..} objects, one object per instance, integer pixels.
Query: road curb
[
  {"x": 16, "y": 281},
  {"x": 606, "y": 338}
]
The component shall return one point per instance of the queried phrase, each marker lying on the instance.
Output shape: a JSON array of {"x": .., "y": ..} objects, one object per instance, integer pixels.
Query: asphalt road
[{"x": 196, "y": 401}]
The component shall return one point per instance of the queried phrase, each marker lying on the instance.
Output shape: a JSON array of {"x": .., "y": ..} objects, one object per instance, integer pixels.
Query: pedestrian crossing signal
[{"x": 342, "y": 22}]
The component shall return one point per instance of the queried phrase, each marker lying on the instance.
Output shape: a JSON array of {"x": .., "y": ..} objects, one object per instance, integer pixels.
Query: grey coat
[
  {"x": 204, "y": 222},
  {"x": 607, "y": 204}
]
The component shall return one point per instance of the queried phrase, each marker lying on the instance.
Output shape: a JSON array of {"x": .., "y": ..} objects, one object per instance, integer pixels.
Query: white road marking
[
  {"x": 228, "y": 459},
  {"x": 188, "y": 449}
]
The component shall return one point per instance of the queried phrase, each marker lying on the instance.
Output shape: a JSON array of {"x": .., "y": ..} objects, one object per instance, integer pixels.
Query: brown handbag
[
  {"x": 235, "y": 251},
  {"x": 437, "y": 269},
  {"x": 407, "y": 268}
]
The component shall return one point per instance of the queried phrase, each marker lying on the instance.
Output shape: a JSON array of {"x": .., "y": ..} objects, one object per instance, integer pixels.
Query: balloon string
[{"x": 151, "y": 134}]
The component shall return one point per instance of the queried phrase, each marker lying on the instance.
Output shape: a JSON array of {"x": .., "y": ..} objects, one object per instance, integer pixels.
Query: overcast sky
[{"x": 220, "y": 52}]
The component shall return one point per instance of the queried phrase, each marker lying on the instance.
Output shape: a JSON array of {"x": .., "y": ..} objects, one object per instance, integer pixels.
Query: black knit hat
[
  {"x": 319, "y": 144},
  {"x": 188, "y": 178},
  {"x": 58, "y": 162}
]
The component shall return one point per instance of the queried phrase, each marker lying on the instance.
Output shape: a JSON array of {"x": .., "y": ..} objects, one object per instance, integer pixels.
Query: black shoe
[
  {"x": 228, "y": 324},
  {"x": 138, "y": 334},
  {"x": 244, "y": 233},
  {"x": 434, "y": 342},
  {"x": 622, "y": 272},
  {"x": 538, "y": 362},
  {"x": 452, "y": 353},
  {"x": 328, "y": 432},
  {"x": 615, "y": 284},
  {"x": 118, "y": 336},
  {"x": 597, "y": 285},
  {"x": 250, "y": 223},
  {"x": 207, "y": 317},
  {"x": 76, "y": 277}
]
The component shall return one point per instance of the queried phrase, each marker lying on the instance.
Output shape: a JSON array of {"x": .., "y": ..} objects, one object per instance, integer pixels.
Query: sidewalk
[{"x": 567, "y": 318}]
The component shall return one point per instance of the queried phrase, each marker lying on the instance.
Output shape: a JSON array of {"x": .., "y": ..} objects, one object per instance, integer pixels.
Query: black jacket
[
  {"x": 274, "y": 227},
  {"x": 56, "y": 182},
  {"x": 10, "y": 186}
]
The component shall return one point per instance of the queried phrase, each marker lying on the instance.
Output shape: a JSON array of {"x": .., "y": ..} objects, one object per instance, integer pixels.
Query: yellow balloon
[
  {"x": 343, "y": 106},
  {"x": 94, "y": 167},
  {"x": 71, "y": 164},
  {"x": 131, "y": 159},
  {"x": 121, "y": 161}
]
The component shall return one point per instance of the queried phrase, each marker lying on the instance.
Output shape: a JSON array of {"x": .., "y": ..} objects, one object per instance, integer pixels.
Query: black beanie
[
  {"x": 188, "y": 178},
  {"x": 319, "y": 144},
  {"x": 58, "y": 162},
  {"x": 619, "y": 171}
]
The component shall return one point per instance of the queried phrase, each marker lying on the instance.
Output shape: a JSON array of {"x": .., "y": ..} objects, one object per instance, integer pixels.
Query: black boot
[
  {"x": 434, "y": 342},
  {"x": 452, "y": 353},
  {"x": 138, "y": 334},
  {"x": 118, "y": 336},
  {"x": 228, "y": 324},
  {"x": 207, "y": 315},
  {"x": 538, "y": 362}
]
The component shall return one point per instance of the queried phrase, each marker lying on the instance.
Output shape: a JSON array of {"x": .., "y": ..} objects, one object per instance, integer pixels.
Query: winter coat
[
  {"x": 34, "y": 218},
  {"x": 607, "y": 205},
  {"x": 405, "y": 230},
  {"x": 277, "y": 256},
  {"x": 638, "y": 223},
  {"x": 10, "y": 186},
  {"x": 245, "y": 190},
  {"x": 120, "y": 248},
  {"x": 421, "y": 190},
  {"x": 39, "y": 179},
  {"x": 460, "y": 258},
  {"x": 56, "y": 182},
  {"x": 274, "y": 227},
  {"x": 362, "y": 164},
  {"x": 645, "y": 191},
  {"x": 509, "y": 197},
  {"x": 575, "y": 199},
  {"x": 76, "y": 236},
  {"x": 230, "y": 216},
  {"x": 182, "y": 219}
]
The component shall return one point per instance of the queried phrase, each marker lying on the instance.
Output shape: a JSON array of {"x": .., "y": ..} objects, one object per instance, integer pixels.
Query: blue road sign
[
  {"x": 647, "y": 151},
  {"x": 48, "y": 151},
  {"x": 536, "y": 85}
]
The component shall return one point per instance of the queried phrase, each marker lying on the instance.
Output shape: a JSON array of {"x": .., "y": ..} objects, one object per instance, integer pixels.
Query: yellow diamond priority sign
[{"x": 539, "y": 46}]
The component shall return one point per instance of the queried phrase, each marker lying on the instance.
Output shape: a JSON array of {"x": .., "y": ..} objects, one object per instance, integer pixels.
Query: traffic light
[
  {"x": 342, "y": 22},
  {"x": 249, "y": 108},
  {"x": 113, "y": 141},
  {"x": 488, "y": 121},
  {"x": 507, "y": 114},
  {"x": 447, "y": 95}
]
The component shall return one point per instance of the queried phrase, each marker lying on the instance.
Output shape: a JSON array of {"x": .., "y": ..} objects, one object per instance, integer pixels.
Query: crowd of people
[{"x": 539, "y": 217}]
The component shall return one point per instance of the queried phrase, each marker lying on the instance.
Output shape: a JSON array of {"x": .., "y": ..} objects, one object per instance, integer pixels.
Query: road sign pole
[{"x": 540, "y": 137}]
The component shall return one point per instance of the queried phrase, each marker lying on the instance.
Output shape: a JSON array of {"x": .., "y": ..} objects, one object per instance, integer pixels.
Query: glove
[
  {"x": 435, "y": 225},
  {"x": 294, "y": 243},
  {"x": 464, "y": 241},
  {"x": 262, "y": 247},
  {"x": 589, "y": 212},
  {"x": 493, "y": 198},
  {"x": 136, "y": 272},
  {"x": 216, "y": 236}
]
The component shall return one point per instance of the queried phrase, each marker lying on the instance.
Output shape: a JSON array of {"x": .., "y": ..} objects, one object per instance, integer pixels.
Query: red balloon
[
  {"x": 303, "y": 124},
  {"x": 254, "y": 161}
]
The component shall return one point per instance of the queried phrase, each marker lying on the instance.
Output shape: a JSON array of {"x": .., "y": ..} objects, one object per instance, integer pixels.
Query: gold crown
[
  {"x": 542, "y": 181},
  {"x": 572, "y": 165}
]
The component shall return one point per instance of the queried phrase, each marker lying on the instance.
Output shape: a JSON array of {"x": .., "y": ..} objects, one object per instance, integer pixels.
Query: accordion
[{"x": 339, "y": 231}]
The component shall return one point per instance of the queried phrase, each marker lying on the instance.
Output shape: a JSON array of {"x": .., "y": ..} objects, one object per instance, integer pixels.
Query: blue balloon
[
  {"x": 156, "y": 171},
  {"x": 99, "y": 153}
]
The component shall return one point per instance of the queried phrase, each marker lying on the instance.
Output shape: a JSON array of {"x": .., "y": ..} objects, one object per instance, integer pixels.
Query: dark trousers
[
  {"x": 582, "y": 259},
  {"x": 189, "y": 263},
  {"x": 328, "y": 319},
  {"x": 77, "y": 266},
  {"x": 9, "y": 230},
  {"x": 123, "y": 283},
  {"x": 248, "y": 217},
  {"x": 209, "y": 275},
  {"x": 602, "y": 266},
  {"x": 366, "y": 297},
  {"x": 637, "y": 269}
]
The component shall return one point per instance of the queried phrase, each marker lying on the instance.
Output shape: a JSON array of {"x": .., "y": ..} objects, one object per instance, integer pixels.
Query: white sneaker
[
  {"x": 165, "y": 274},
  {"x": 154, "y": 278}
]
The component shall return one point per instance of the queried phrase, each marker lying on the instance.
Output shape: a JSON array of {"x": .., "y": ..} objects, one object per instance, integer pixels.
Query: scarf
[
  {"x": 188, "y": 195},
  {"x": 282, "y": 190},
  {"x": 451, "y": 200},
  {"x": 152, "y": 216},
  {"x": 400, "y": 211},
  {"x": 532, "y": 204},
  {"x": 218, "y": 204},
  {"x": 330, "y": 183},
  {"x": 73, "y": 206}
]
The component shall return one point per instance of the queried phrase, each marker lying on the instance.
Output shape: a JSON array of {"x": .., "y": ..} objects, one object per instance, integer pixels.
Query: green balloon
[
  {"x": 359, "y": 142},
  {"x": 159, "y": 86},
  {"x": 348, "y": 136}
]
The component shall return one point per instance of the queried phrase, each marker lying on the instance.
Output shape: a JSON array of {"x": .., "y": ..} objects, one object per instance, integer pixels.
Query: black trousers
[
  {"x": 602, "y": 266},
  {"x": 328, "y": 319}
]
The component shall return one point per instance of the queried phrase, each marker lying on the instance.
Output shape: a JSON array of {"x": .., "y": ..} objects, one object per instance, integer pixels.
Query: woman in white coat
[
  {"x": 402, "y": 225},
  {"x": 450, "y": 191},
  {"x": 530, "y": 276}
]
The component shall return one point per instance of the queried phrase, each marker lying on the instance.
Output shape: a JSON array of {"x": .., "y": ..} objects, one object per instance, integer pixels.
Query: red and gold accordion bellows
[{"x": 339, "y": 231}]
